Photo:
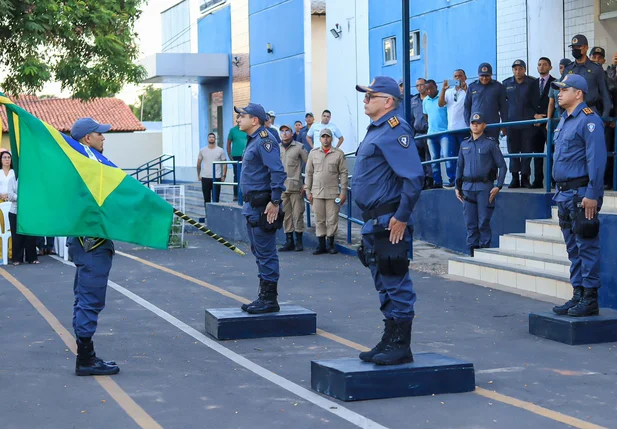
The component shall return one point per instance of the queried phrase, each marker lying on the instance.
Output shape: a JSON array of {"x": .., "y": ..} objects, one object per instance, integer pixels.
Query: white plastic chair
[
  {"x": 61, "y": 250},
  {"x": 6, "y": 234}
]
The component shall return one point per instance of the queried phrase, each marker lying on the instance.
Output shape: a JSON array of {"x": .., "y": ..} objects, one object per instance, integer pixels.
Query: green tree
[
  {"x": 152, "y": 99},
  {"x": 89, "y": 46}
]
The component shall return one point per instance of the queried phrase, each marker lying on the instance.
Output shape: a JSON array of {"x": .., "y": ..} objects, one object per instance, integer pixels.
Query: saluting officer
[
  {"x": 597, "y": 97},
  {"x": 293, "y": 156},
  {"x": 580, "y": 160},
  {"x": 262, "y": 182},
  {"x": 487, "y": 96},
  {"x": 92, "y": 258},
  {"x": 476, "y": 170},
  {"x": 386, "y": 185}
]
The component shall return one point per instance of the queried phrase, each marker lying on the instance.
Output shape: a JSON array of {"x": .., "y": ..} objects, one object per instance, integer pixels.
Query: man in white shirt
[
  {"x": 313, "y": 134},
  {"x": 270, "y": 124},
  {"x": 205, "y": 161},
  {"x": 454, "y": 100}
]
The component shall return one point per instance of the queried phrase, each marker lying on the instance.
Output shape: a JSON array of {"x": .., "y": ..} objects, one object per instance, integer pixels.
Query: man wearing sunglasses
[{"x": 387, "y": 181}]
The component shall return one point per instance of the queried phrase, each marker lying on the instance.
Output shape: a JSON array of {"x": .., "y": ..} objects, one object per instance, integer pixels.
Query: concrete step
[
  {"x": 536, "y": 244},
  {"x": 513, "y": 276},
  {"x": 553, "y": 264},
  {"x": 543, "y": 227}
]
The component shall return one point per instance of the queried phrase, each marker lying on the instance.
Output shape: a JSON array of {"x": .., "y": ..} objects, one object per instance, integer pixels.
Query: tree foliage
[
  {"x": 89, "y": 46},
  {"x": 152, "y": 100}
]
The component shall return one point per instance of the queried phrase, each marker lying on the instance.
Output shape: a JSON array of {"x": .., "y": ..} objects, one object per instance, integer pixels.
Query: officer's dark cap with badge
[
  {"x": 253, "y": 109},
  {"x": 598, "y": 50},
  {"x": 579, "y": 40},
  {"x": 477, "y": 117},
  {"x": 519, "y": 63},
  {"x": 572, "y": 81},
  {"x": 485, "y": 69},
  {"x": 383, "y": 84}
]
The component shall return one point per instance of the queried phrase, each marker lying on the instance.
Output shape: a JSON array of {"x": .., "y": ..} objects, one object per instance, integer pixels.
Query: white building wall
[
  {"x": 579, "y": 17},
  {"x": 545, "y": 33},
  {"x": 348, "y": 64},
  {"x": 511, "y": 36},
  {"x": 180, "y": 101},
  {"x": 130, "y": 150},
  {"x": 319, "y": 72}
]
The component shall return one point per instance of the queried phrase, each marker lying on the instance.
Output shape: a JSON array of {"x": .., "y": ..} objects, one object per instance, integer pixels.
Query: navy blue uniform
[
  {"x": 90, "y": 285},
  {"x": 580, "y": 156},
  {"x": 598, "y": 96},
  {"x": 262, "y": 172},
  {"x": 387, "y": 181},
  {"x": 490, "y": 100},
  {"x": 476, "y": 172},
  {"x": 520, "y": 108}
]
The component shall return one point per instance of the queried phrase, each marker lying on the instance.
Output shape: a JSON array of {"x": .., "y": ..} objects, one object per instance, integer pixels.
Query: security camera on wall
[{"x": 336, "y": 31}]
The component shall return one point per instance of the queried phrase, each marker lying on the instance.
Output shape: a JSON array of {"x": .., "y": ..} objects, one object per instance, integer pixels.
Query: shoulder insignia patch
[
  {"x": 587, "y": 111},
  {"x": 264, "y": 134},
  {"x": 571, "y": 72},
  {"x": 591, "y": 126},
  {"x": 268, "y": 145},
  {"x": 490, "y": 138},
  {"x": 393, "y": 122},
  {"x": 404, "y": 141}
]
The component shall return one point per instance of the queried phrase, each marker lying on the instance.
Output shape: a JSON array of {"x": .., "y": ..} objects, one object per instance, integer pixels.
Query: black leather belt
[
  {"x": 475, "y": 180},
  {"x": 255, "y": 194},
  {"x": 381, "y": 210},
  {"x": 579, "y": 182}
]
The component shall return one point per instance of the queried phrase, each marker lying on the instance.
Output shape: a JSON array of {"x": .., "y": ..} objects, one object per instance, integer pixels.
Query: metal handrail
[
  {"x": 159, "y": 172},
  {"x": 215, "y": 184}
]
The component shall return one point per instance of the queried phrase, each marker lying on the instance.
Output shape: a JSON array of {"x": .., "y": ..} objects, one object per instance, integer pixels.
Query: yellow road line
[
  {"x": 138, "y": 414},
  {"x": 528, "y": 406}
]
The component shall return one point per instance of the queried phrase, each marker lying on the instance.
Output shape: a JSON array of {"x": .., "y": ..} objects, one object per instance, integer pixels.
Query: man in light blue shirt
[{"x": 437, "y": 118}]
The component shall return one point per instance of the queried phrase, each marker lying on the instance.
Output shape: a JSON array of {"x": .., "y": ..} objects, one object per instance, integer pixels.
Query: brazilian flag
[{"x": 64, "y": 193}]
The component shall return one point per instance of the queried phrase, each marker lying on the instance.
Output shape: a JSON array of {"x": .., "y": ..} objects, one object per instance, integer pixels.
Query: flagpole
[{"x": 208, "y": 232}]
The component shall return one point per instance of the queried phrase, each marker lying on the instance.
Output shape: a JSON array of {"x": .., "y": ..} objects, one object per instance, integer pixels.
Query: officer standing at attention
[
  {"x": 262, "y": 181},
  {"x": 580, "y": 160},
  {"x": 92, "y": 258},
  {"x": 386, "y": 185},
  {"x": 597, "y": 98},
  {"x": 476, "y": 168},
  {"x": 487, "y": 96},
  {"x": 293, "y": 156}
]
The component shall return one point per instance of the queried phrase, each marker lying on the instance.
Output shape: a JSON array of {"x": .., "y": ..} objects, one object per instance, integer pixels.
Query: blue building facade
[{"x": 446, "y": 35}]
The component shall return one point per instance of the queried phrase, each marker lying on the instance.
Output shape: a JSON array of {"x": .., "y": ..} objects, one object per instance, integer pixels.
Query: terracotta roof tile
[{"x": 61, "y": 113}]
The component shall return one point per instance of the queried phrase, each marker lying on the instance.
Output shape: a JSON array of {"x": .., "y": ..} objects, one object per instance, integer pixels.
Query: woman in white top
[
  {"x": 6, "y": 174},
  {"x": 20, "y": 242}
]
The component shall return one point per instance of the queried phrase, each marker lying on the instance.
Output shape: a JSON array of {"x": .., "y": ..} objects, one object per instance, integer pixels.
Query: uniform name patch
[
  {"x": 263, "y": 134},
  {"x": 587, "y": 111},
  {"x": 393, "y": 122},
  {"x": 268, "y": 145},
  {"x": 404, "y": 141},
  {"x": 591, "y": 127}
]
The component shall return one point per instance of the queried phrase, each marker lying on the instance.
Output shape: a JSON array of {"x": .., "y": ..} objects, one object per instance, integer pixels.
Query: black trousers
[
  {"x": 538, "y": 142},
  {"x": 520, "y": 141},
  {"x": 609, "y": 135},
  {"x": 21, "y": 243},
  {"x": 206, "y": 188},
  {"x": 236, "y": 178}
]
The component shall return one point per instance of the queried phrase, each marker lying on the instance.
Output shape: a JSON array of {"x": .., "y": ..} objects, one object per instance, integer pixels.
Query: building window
[
  {"x": 207, "y": 5},
  {"x": 414, "y": 45},
  {"x": 608, "y": 9},
  {"x": 389, "y": 51}
]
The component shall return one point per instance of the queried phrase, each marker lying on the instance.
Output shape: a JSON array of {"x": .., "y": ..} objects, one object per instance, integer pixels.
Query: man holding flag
[{"x": 92, "y": 258}]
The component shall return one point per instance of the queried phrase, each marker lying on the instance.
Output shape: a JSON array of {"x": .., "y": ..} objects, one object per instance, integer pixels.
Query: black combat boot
[
  {"x": 88, "y": 364},
  {"x": 587, "y": 306},
  {"x": 289, "y": 243},
  {"x": 562, "y": 310},
  {"x": 515, "y": 182},
  {"x": 387, "y": 331},
  {"x": 321, "y": 249},
  {"x": 260, "y": 295},
  {"x": 267, "y": 304},
  {"x": 331, "y": 246},
  {"x": 397, "y": 349},
  {"x": 299, "y": 244},
  {"x": 525, "y": 183}
]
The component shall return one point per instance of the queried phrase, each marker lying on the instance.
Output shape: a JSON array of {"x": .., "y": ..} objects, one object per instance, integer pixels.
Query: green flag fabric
[{"x": 64, "y": 193}]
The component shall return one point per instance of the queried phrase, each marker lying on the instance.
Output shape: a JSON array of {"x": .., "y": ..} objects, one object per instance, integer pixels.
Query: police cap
[
  {"x": 384, "y": 84},
  {"x": 253, "y": 109}
]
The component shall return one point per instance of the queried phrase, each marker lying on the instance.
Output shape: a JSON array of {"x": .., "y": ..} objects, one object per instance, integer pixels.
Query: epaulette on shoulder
[
  {"x": 394, "y": 122},
  {"x": 588, "y": 111},
  {"x": 264, "y": 134},
  {"x": 467, "y": 138},
  {"x": 491, "y": 138}
]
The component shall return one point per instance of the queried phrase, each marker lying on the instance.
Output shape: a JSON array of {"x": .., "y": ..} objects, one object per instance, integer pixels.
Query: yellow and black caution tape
[{"x": 208, "y": 232}]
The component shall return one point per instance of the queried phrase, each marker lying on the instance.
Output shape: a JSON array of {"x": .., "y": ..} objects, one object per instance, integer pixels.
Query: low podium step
[
  {"x": 235, "y": 324},
  {"x": 351, "y": 379},
  {"x": 575, "y": 330}
]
